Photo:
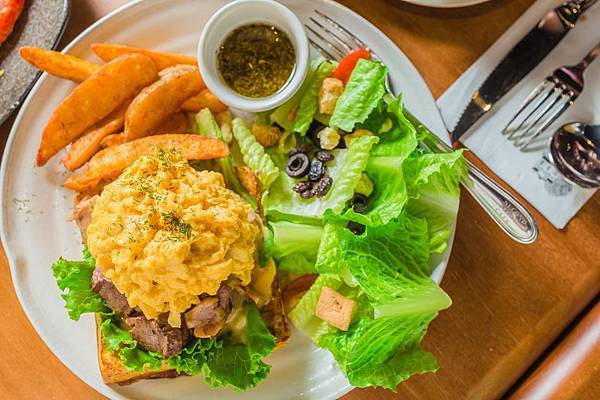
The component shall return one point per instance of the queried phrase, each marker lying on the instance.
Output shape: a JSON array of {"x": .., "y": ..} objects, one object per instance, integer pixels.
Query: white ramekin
[{"x": 243, "y": 12}]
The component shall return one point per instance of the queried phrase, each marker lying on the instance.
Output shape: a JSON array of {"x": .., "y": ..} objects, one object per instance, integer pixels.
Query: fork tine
[
  {"x": 532, "y": 119},
  {"x": 339, "y": 27},
  {"x": 539, "y": 122},
  {"x": 334, "y": 36},
  {"x": 568, "y": 100},
  {"x": 532, "y": 99},
  {"x": 322, "y": 39},
  {"x": 321, "y": 50}
]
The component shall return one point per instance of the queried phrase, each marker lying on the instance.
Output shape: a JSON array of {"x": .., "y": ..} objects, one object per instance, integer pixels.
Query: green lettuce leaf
[
  {"x": 74, "y": 278},
  {"x": 385, "y": 170},
  {"x": 329, "y": 254},
  {"x": 363, "y": 92},
  {"x": 303, "y": 314},
  {"x": 295, "y": 245},
  {"x": 389, "y": 263},
  {"x": 309, "y": 104},
  {"x": 381, "y": 352},
  {"x": 281, "y": 114},
  {"x": 191, "y": 360},
  {"x": 207, "y": 126},
  {"x": 282, "y": 203},
  {"x": 120, "y": 341},
  {"x": 240, "y": 365},
  {"x": 433, "y": 187},
  {"x": 254, "y": 154}
]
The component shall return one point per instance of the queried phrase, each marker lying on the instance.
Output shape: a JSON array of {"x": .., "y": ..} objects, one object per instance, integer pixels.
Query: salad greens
[
  {"x": 385, "y": 270},
  {"x": 222, "y": 361}
]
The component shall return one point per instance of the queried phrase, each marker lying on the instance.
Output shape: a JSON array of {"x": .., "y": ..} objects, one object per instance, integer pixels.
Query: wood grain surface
[
  {"x": 510, "y": 301},
  {"x": 572, "y": 369}
]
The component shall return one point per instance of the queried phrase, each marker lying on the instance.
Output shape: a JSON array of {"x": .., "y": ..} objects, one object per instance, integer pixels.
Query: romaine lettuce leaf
[
  {"x": 385, "y": 170},
  {"x": 240, "y": 365},
  {"x": 390, "y": 264},
  {"x": 381, "y": 352},
  {"x": 254, "y": 154},
  {"x": 303, "y": 314},
  {"x": 74, "y": 278},
  {"x": 207, "y": 126},
  {"x": 433, "y": 188},
  {"x": 309, "y": 104},
  {"x": 295, "y": 245},
  {"x": 282, "y": 203},
  {"x": 363, "y": 92},
  {"x": 281, "y": 115}
]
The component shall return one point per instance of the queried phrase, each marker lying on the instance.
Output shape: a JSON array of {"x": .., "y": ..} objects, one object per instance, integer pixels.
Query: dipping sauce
[{"x": 256, "y": 60}]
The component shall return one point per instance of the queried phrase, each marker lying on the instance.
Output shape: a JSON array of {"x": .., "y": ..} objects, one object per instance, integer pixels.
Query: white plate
[
  {"x": 446, "y": 3},
  {"x": 35, "y": 206}
]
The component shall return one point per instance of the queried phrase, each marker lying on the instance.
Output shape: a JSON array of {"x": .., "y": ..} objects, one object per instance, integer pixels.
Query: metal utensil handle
[
  {"x": 508, "y": 212},
  {"x": 510, "y": 215}
]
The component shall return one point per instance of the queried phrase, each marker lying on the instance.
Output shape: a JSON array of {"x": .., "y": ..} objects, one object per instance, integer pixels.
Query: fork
[
  {"x": 334, "y": 42},
  {"x": 547, "y": 102}
]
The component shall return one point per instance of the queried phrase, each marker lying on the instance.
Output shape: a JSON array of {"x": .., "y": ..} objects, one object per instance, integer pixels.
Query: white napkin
[{"x": 530, "y": 173}]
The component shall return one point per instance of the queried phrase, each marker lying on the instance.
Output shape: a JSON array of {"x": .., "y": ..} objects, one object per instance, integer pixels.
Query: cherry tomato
[{"x": 346, "y": 66}]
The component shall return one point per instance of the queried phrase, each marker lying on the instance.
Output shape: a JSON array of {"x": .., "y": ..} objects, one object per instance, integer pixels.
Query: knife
[{"x": 526, "y": 54}]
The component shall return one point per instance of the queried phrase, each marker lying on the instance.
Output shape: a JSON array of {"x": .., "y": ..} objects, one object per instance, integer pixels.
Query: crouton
[
  {"x": 335, "y": 308},
  {"x": 266, "y": 135},
  {"x": 329, "y": 93}
]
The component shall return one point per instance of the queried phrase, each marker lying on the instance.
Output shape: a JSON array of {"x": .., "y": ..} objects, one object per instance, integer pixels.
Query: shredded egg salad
[{"x": 165, "y": 233}]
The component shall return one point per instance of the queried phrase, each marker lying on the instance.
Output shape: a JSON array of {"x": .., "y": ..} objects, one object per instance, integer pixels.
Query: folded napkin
[{"x": 530, "y": 173}]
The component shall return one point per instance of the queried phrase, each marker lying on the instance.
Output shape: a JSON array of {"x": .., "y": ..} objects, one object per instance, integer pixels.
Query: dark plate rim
[{"x": 10, "y": 110}]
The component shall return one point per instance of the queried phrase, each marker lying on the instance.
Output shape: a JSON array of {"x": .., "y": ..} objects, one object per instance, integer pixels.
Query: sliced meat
[
  {"x": 82, "y": 215},
  {"x": 157, "y": 335},
  {"x": 207, "y": 318},
  {"x": 115, "y": 300},
  {"x": 224, "y": 295}
]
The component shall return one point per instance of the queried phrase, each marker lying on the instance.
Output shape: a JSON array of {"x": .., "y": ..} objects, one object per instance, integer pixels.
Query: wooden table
[{"x": 510, "y": 301}]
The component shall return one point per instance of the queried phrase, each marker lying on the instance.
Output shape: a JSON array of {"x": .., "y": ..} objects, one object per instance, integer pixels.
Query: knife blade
[{"x": 523, "y": 57}]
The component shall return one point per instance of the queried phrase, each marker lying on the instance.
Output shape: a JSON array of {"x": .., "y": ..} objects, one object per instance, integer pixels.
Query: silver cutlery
[
  {"x": 334, "y": 42},
  {"x": 521, "y": 59},
  {"x": 548, "y": 101},
  {"x": 575, "y": 151}
]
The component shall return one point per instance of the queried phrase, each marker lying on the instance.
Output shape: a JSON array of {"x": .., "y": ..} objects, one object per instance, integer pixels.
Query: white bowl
[{"x": 244, "y": 12}]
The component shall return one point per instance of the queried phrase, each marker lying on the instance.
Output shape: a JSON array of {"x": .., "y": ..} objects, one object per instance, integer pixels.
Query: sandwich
[{"x": 174, "y": 271}]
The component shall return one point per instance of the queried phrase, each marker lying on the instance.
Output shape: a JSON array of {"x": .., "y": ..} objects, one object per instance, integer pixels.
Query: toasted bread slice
[{"x": 113, "y": 370}]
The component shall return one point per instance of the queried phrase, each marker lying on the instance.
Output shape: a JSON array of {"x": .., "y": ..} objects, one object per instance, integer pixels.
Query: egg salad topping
[{"x": 164, "y": 233}]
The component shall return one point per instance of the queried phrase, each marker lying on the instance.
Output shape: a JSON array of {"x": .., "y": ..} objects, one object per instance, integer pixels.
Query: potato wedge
[
  {"x": 175, "y": 123},
  {"x": 202, "y": 100},
  {"x": 156, "y": 102},
  {"x": 109, "y": 51},
  {"x": 93, "y": 100},
  {"x": 293, "y": 291},
  {"x": 113, "y": 140},
  {"x": 58, "y": 64},
  {"x": 87, "y": 145},
  {"x": 176, "y": 68},
  {"x": 109, "y": 163}
]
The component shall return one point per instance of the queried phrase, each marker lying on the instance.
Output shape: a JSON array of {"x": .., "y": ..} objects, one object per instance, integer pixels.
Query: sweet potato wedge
[
  {"x": 87, "y": 145},
  {"x": 177, "y": 68},
  {"x": 94, "y": 99},
  {"x": 175, "y": 123},
  {"x": 109, "y": 51},
  {"x": 109, "y": 163},
  {"x": 156, "y": 102},
  {"x": 202, "y": 100},
  {"x": 58, "y": 64}
]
